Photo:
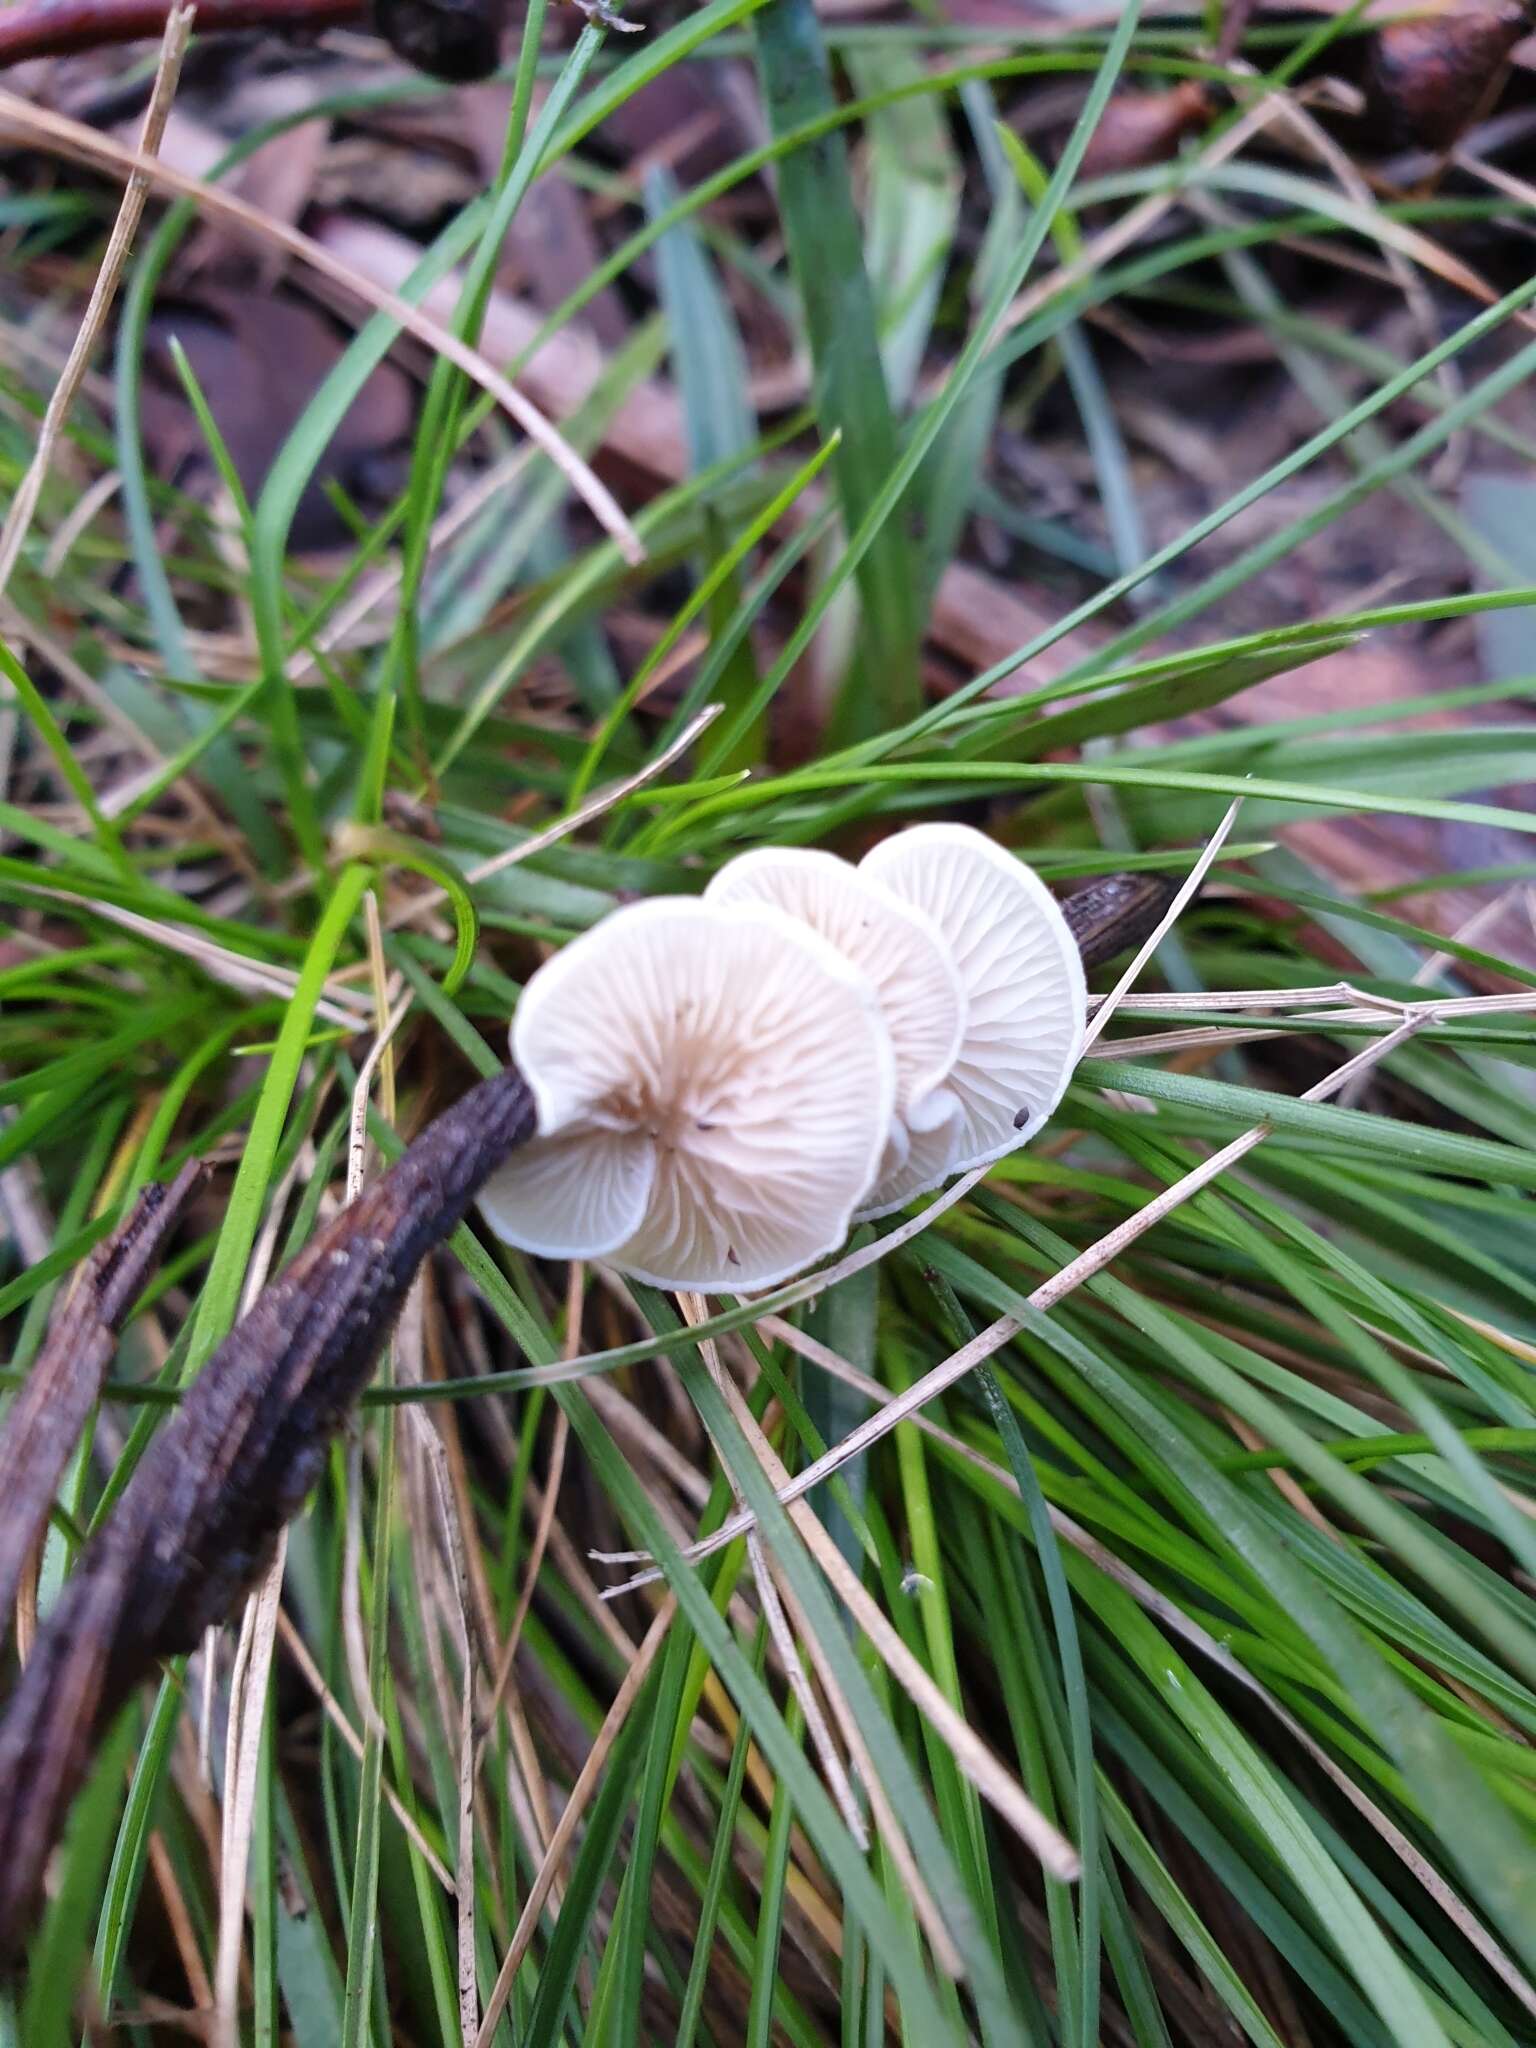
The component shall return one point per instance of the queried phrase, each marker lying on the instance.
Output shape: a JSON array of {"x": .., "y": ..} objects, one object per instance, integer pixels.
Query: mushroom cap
[
  {"x": 574, "y": 1196},
  {"x": 895, "y": 945},
  {"x": 714, "y": 1087},
  {"x": 1025, "y": 998}
]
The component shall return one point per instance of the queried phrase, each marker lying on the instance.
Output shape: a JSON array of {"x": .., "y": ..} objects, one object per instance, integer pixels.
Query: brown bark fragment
[{"x": 44, "y": 1421}]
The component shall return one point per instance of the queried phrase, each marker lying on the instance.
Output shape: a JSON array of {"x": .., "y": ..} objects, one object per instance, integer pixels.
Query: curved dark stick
[
  {"x": 452, "y": 39},
  {"x": 1116, "y": 912},
  {"x": 198, "y": 1520},
  {"x": 200, "y": 1516},
  {"x": 57, "y": 28}
]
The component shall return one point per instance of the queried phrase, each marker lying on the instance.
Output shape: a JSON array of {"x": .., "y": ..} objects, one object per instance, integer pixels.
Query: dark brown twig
[
  {"x": 1115, "y": 913},
  {"x": 58, "y": 28},
  {"x": 452, "y": 39},
  {"x": 49, "y": 1410},
  {"x": 197, "y": 1521}
]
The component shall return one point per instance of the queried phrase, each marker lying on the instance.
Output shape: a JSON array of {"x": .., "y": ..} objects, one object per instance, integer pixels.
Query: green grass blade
[{"x": 827, "y": 257}]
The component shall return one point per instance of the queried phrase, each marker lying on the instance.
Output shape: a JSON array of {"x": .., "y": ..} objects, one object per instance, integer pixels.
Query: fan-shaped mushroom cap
[
  {"x": 1025, "y": 997},
  {"x": 574, "y": 1196},
  {"x": 896, "y": 946},
  {"x": 714, "y": 1088}
]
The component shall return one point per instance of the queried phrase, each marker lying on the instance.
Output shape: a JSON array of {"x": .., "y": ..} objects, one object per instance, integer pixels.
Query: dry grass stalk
[
  {"x": 69, "y": 138},
  {"x": 250, "y": 977},
  {"x": 551, "y": 835},
  {"x": 337, "y": 1715},
  {"x": 570, "y": 1819},
  {"x": 997, "y": 1786},
  {"x": 1187, "y": 890},
  {"x": 892, "y": 1835},
  {"x": 1045, "y": 1297},
  {"x": 242, "y": 1756},
  {"x": 202, "y": 1513},
  {"x": 544, "y": 1522},
  {"x": 775, "y": 1620},
  {"x": 178, "y": 29},
  {"x": 409, "y": 1351}
]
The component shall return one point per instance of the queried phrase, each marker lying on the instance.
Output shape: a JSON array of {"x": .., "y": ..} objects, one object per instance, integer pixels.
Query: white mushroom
[
  {"x": 714, "y": 1088},
  {"x": 1025, "y": 998},
  {"x": 896, "y": 946}
]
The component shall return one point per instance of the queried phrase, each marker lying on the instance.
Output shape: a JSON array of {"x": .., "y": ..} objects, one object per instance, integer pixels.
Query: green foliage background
[{"x": 1229, "y": 1558}]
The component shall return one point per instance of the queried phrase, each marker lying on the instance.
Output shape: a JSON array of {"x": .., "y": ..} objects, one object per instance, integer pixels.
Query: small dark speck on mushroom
[
  {"x": 730, "y": 1253},
  {"x": 703, "y": 1124},
  {"x": 1021, "y": 1118}
]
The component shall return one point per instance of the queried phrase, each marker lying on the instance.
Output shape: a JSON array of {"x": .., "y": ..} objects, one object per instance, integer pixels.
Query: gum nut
[
  {"x": 894, "y": 944},
  {"x": 741, "y": 1056},
  {"x": 1025, "y": 996}
]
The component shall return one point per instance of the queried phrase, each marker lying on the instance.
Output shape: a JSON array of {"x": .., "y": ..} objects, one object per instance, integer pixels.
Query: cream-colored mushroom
[
  {"x": 896, "y": 946},
  {"x": 714, "y": 1089},
  {"x": 1025, "y": 999}
]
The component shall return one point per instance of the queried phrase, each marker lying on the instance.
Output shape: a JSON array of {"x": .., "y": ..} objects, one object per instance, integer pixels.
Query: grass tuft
[{"x": 1175, "y": 1638}]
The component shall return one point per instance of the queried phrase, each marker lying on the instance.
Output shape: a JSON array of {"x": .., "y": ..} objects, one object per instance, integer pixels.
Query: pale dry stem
[
  {"x": 775, "y": 1620},
  {"x": 409, "y": 1350},
  {"x": 71, "y": 138},
  {"x": 1045, "y": 1297},
  {"x": 337, "y": 1715},
  {"x": 235, "y": 970},
  {"x": 570, "y": 1819},
  {"x": 575, "y": 1289},
  {"x": 1105, "y": 1009},
  {"x": 178, "y": 29},
  {"x": 247, "y": 1699},
  {"x": 892, "y": 1835},
  {"x": 537, "y": 842},
  {"x": 975, "y": 1760},
  {"x": 242, "y": 1754}
]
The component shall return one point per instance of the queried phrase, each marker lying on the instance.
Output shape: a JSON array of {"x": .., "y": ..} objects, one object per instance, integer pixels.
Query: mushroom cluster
[{"x": 724, "y": 1083}]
